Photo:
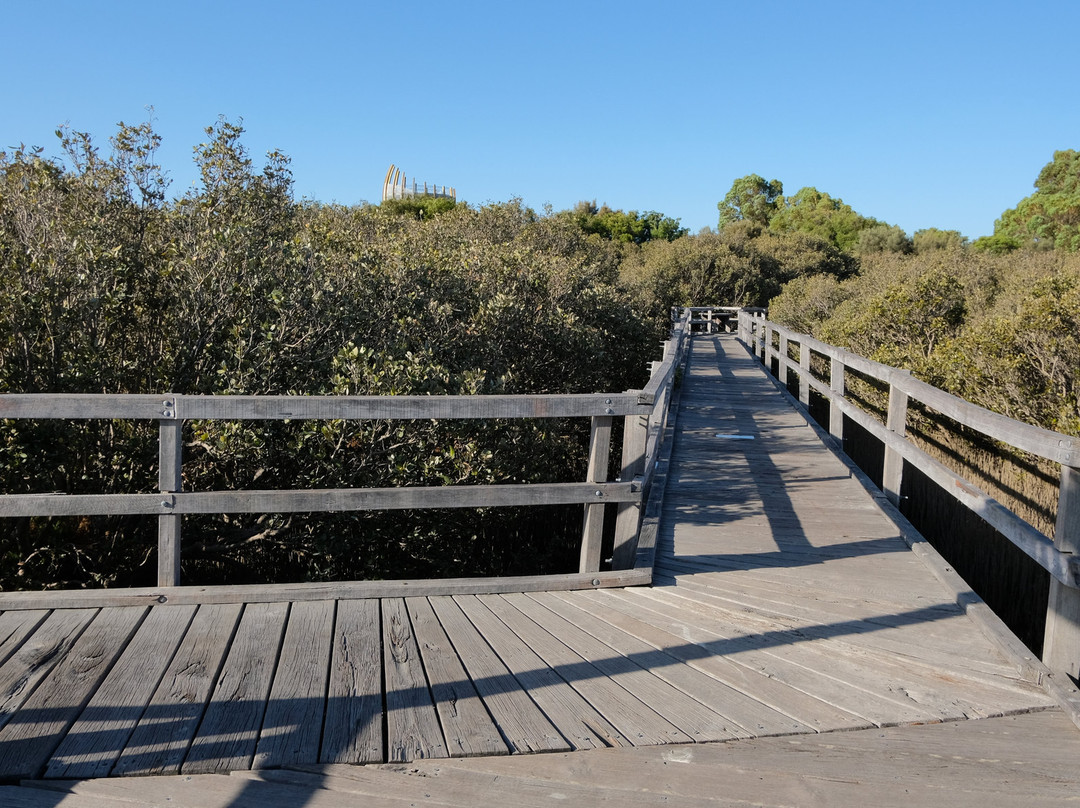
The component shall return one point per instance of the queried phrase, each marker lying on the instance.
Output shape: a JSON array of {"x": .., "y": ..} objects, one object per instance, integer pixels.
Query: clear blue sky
[{"x": 922, "y": 114}]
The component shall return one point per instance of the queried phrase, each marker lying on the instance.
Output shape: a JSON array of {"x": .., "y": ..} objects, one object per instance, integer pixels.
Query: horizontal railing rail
[
  {"x": 1059, "y": 556},
  {"x": 642, "y": 410}
]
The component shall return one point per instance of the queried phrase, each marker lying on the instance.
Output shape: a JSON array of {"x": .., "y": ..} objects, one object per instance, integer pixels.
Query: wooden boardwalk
[{"x": 785, "y": 603}]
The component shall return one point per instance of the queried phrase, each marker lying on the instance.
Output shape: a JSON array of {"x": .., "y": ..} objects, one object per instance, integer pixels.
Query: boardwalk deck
[{"x": 785, "y": 603}]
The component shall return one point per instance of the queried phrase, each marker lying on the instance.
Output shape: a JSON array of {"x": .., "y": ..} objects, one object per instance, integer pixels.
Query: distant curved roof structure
[{"x": 396, "y": 186}]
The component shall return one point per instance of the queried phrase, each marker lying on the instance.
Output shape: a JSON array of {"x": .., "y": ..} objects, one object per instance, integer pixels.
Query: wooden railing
[
  {"x": 1059, "y": 556},
  {"x": 644, "y": 413}
]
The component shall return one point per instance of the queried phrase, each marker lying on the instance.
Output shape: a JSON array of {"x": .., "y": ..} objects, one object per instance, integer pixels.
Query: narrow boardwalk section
[{"x": 784, "y": 604}]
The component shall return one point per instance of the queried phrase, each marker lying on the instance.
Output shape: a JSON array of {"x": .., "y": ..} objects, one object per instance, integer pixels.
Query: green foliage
[
  {"x": 883, "y": 238},
  {"x": 626, "y": 227},
  {"x": 743, "y": 265},
  {"x": 418, "y": 207},
  {"x": 237, "y": 289},
  {"x": 752, "y": 199},
  {"x": 1049, "y": 218},
  {"x": 932, "y": 238},
  {"x": 818, "y": 214}
]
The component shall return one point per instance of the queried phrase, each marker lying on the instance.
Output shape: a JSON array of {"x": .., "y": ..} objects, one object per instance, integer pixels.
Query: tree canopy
[
  {"x": 753, "y": 199},
  {"x": 1050, "y": 217}
]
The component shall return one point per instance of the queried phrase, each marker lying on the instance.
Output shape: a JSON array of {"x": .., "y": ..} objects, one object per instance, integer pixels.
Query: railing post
[
  {"x": 635, "y": 436},
  {"x": 893, "y": 471},
  {"x": 170, "y": 481},
  {"x": 767, "y": 350},
  {"x": 782, "y": 366},
  {"x": 804, "y": 373},
  {"x": 1061, "y": 642},
  {"x": 592, "y": 534},
  {"x": 760, "y": 340},
  {"x": 836, "y": 385}
]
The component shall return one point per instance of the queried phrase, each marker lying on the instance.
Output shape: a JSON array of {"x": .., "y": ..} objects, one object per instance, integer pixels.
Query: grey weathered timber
[
  {"x": 1061, "y": 646},
  {"x": 687, "y": 714},
  {"x": 576, "y": 720},
  {"x": 170, "y": 482},
  {"x": 635, "y": 435},
  {"x": 28, "y": 740},
  {"x": 15, "y": 627},
  {"x": 345, "y": 590},
  {"x": 227, "y": 407},
  {"x": 837, "y": 388},
  {"x": 522, "y": 723},
  {"x": 353, "y": 732},
  {"x": 467, "y": 727},
  {"x": 892, "y": 475},
  {"x": 636, "y": 720},
  {"x": 96, "y": 739},
  {"x": 168, "y": 724},
  {"x": 341, "y": 499},
  {"x": 412, "y": 725},
  {"x": 228, "y": 733},
  {"x": 37, "y": 656},
  {"x": 592, "y": 533},
  {"x": 292, "y": 725}
]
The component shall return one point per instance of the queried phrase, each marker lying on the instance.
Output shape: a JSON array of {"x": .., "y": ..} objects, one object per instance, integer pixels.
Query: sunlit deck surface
[{"x": 785, "y": 603}]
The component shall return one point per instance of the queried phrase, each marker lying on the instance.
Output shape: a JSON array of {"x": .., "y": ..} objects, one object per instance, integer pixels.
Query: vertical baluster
[
  {"x": 592, "y": 533},
  {"x": 836, "y": 385},
  {"x": 892, "y": 473},
  {"x": 1061, "y": 642},
  {"x": 804, "y": 373},
  {"x": 170, "y": 481}
]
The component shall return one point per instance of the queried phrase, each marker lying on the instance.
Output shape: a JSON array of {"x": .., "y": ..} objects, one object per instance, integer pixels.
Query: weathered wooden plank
[
  {"x": 747, "y": 715},
  {"x": 29, "y": 738},
  {"x": 228, "y": 734},
  {"x": 15, "y": 627},
  {"x": 84, "y": 405},
  {"x": 33, "y": 660},
  {"x": 522, "y": 723},
  {"x": 99, "y": 736},
  {"x": 577, "y": 721},
  {"x": 786, "y": 656},
  {"x": 207, "y": 791},
  {"x": 292, "y": 725},
  {"x": 168, "y": 724},
  {"x": 344, "y": 590},
  {"x": 467, "y": 726},
  {"x": 624, "y": 710},
  {"x": 668, "y": 636},
  {"x": 167, "y": 406},
  {"x": 353, "y": 732},
  {"x": 694, "y": 718},
  {"x": 412, "y": 725},
  {"x": 321, "y": 500}
]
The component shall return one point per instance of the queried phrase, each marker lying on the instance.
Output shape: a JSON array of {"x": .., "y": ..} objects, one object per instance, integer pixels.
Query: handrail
[
  {"x": 170, "y": 502},
  {"x": 1059, "y": 556}
]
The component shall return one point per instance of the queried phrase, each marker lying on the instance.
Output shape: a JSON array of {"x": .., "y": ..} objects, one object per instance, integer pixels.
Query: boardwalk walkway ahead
[{"x": 785, "y": 603}]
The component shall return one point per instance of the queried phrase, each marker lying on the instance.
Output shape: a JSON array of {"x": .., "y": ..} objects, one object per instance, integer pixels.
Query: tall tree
[
  {"x": 814, "y": 212},
  {"x": 751, "y": 199},
  {"x": 1050, "y": 217}
]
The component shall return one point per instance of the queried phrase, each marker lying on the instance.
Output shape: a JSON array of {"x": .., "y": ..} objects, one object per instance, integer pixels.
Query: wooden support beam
[
  {"x": 1061, "y": 643},
  {"x": 635, "y": 435},
  {"x": 592, "y": 533},
  {"x": 170, "y": 481},
  {"x": 837, "y": 387},
  {"x": 782, "y": 368},
  {"x": 804, "y": 374},
  {"x": 893, "y": 471}
]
